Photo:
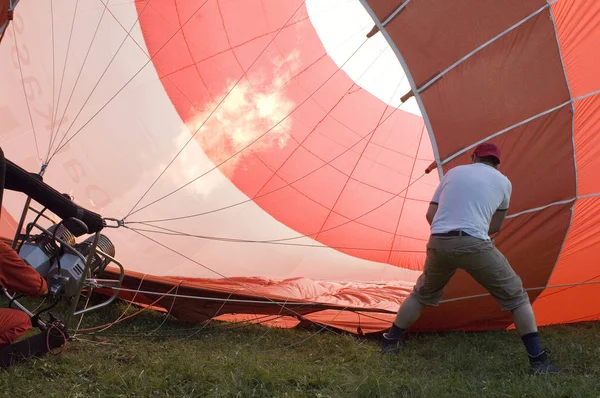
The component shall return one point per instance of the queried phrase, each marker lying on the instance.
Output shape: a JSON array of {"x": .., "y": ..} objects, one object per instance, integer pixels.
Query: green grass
[{"x": 224, "y": 360}]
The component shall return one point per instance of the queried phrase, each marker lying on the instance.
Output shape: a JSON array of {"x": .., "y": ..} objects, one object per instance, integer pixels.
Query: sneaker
[
  {"x": 540, "y": 365},
  {"x": 391, "y": 345}
]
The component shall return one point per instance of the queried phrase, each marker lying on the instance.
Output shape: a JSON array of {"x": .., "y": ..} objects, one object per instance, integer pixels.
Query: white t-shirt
[{"x": 467, "y": 198}]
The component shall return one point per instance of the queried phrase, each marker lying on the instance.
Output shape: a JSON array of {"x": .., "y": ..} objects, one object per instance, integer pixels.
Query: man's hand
[{"x": 497, "y": 221}]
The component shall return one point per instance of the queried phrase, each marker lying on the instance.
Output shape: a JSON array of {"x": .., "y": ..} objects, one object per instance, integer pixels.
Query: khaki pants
[{"x": 480, "y": 259}]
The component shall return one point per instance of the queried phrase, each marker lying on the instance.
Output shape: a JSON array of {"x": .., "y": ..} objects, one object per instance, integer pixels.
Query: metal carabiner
[{"x": 114, "y": 222}]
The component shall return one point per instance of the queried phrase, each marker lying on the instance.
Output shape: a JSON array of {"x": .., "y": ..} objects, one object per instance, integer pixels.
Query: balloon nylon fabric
[
  {"x": 539, "y": 69},
  {"x": 467, "y": 105},
  {"x": 339, "y": 171}
]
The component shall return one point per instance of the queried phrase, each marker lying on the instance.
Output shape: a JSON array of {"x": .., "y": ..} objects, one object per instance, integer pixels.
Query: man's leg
[
  {"x": 524, "y": 319},
  {"x": 13, "y": 324},
  {"x": 428, "y": 291},
  {"x": 490, "y": 268},
  {"x": 526, "y": 326},
  {"x": 409, "y": 312}
]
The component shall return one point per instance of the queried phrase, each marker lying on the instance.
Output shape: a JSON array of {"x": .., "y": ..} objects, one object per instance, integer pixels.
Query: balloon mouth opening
[{"x": 375, "y": 67}]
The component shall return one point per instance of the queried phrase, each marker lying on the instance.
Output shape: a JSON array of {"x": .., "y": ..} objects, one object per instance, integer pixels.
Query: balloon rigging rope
[
  {"x": 354, "y": 168},
  {"x": 168, "y": 312},
  {"x": 297, "y": 21},
  {"x": 62, "y": 79},
  {"x": 87, "y": 302},
  {"x": 60, "y": 143},
  {"x": 150, "y": 58},
  {"x": 234, "y": 154},
  {"x": 282, "y": 304},
  {"x": 412, "y": 170},
  {"x": 243, "y": 286},
  {"x": 310, "y": 336},
  {"x": 129, "y": 81},
  {"x": 291, "y": 238},
  {"x": 198, "y": 331},
  {"x": 267, "y": 193},
  {"x": 66, "y": 133},
  {"x": 167, "y": 76},
  {"x": 225, "y": 326},
  {"x": 211, "y": 113},
  {"x": 285, "y": 185},
  {"x": 133, "y": 211},
  {"x": 242, "y": 324},
  {"x": 316, "y": 126},
  {"x": 315, "y": 102},
  {"x": 358, "y": 312},
  {"x": 122, "y": 316},
  {"x": 25, "y": 91},
  {"x": 53, "y": 70},
  {"x": 564, "y": 287},
  {"x": 89, "y": 48},
  {"x": 160, "y": 71},
  {"x": 237, "y": 325},
  {"x": 274, "y": 242},
  {"x": 115, "y": 56},
  {"x": 121, "y": 319}
]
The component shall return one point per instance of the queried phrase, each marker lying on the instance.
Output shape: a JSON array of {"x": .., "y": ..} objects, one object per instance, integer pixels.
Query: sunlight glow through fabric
[{"x": 268, "y": 156}]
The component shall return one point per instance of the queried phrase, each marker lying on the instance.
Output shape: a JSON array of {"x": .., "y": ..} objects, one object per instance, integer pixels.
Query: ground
[{"x": 152, "y": 356}]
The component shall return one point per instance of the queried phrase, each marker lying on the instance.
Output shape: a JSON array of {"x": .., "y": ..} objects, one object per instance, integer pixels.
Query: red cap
[{"x": 487, "y": 149}]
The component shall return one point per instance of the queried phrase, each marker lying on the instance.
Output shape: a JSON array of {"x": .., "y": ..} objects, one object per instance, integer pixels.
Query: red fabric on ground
[{"x": 17, "y": 276}]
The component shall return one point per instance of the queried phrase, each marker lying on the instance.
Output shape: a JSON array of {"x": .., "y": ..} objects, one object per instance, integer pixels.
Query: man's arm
[
  {"x": 497, "y": 221},
  {"x": 500, "y": 214},
  {"x": 17, "y": 276},
  {"x": 431, "y": 212},
  {"x": 433, "y": 205}
]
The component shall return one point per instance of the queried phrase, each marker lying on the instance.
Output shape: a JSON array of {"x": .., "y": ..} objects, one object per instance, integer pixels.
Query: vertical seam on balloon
[
  {"x": 379, "y": 122},
  {"x": 228, "y": 40},
  {"x": 327, "y": 113},
  {"x": 203, "y": 123},
  {"x": 412, "y": 85},
  {"x": 196, "y": 65},
  {"x": 481, "y": 47},
  {"x": 405, "y": 196},
  {"x": 560, "y": 54}
]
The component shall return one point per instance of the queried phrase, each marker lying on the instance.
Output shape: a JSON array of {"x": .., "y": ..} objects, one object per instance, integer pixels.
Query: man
[
  {"x": 17, "y": 276},
  {"x": 468, "y": 206}
]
